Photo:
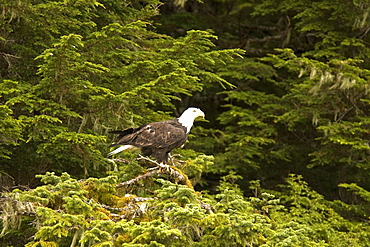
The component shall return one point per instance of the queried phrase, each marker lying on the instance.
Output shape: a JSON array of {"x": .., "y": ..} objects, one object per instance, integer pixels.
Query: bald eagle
[{"x": 159, "y": 138}]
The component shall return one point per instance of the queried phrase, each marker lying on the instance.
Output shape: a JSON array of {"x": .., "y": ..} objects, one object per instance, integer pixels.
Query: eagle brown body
[{"x": 158, "y": 139}]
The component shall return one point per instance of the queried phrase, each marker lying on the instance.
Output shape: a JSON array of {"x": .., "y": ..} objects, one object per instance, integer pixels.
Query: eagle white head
[{"x": 188, "y": 116}]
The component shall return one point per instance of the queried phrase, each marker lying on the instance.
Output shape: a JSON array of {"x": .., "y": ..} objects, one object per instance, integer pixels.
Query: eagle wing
[{"x": 159, "y": 135}]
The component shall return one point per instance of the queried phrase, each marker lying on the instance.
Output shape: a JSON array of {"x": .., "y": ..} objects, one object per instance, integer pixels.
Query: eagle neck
[{"x": 186, "y": 122}]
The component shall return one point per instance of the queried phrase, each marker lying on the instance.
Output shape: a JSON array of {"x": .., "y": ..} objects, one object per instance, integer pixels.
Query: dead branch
[
  {"x": 175, "y": 174},
  {"x": 9, "y": 58},
  {"x": 137, "y": 179}
]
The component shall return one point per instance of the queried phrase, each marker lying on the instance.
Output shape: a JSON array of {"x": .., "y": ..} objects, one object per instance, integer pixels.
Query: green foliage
[
  {"x": 248, "y": 129},
  {"x": 10, "y": 130},
  {"x": 357, "y": 190},
  {"x": 309, "y": 207},
  {"x": 94, "y": 212},
  {"x": 339, "y": 87}
]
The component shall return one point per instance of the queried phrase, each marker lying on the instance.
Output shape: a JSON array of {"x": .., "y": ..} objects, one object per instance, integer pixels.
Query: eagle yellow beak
[{"x": 201, "y": 114}]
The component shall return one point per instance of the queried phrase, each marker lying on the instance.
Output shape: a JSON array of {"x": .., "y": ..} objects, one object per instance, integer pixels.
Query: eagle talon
[{"x": 165, "y": 168}]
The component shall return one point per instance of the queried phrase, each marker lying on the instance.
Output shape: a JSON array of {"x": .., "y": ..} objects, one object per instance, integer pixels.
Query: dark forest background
[{"x": 282, "y": 158}]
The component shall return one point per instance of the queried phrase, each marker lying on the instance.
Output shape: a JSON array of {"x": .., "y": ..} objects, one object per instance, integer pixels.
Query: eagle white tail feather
[{"x": 120, "y": 149}]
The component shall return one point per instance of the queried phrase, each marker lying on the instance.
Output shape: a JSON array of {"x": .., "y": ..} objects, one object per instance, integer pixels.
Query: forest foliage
[{"x": 281, "y": 160}]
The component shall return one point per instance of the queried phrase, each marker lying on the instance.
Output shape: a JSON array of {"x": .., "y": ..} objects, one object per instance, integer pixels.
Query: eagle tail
[
  {"x": 123, "y": 132},
  {"x": 119, "y": 131},
  {"x": 120, "y": 149}
]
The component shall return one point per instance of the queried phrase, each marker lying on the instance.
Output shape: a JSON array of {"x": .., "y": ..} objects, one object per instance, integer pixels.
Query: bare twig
[
  {"x": 138, "y": 178},
  {"x": 120, "y": 160},
  {"x": 9, "y": 58},
  {"x": 160, "y": 168}
]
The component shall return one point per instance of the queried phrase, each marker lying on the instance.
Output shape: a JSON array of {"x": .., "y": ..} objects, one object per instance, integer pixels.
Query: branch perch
[{"x": 173, "y": 172}]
